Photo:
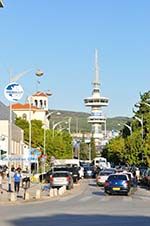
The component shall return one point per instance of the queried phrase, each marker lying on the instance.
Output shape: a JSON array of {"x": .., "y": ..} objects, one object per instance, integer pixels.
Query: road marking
[{"x": 84, "y": 199}]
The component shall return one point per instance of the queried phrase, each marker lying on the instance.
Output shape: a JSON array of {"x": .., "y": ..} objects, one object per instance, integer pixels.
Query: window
[{"x": 24, "y": 116}]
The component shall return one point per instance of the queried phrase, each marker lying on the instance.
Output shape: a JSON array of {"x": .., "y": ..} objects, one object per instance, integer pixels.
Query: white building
[
  {"x": 36, "y": 108},
  {"x": 13, "y": 147}
]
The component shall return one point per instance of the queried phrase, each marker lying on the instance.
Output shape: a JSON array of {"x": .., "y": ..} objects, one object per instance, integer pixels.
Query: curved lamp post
[
  {"x": 15, "y": 78},
  {"x": 129, "y": 127},
  {"x": 12, "y": 79},
  {"x": 141, "y": 122}
]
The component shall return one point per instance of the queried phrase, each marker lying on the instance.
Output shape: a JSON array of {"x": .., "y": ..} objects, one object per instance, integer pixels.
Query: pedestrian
[
  {"x": 1, "y": 179},
  {"x": 17, "y": 179}
]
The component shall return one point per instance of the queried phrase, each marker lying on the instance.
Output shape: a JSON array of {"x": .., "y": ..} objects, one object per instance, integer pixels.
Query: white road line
[{"x": 84, "y": 199}]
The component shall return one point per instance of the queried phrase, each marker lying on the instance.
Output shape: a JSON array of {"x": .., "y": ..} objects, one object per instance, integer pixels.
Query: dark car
[
  {"x": 89, "y": 172},
  {"x": 117, "y": 184}
]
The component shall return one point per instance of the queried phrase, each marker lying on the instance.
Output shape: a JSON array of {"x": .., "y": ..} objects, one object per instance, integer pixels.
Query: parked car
[
  {"x": 103, "y": 175},
  {"x": 72, "y": 169},
  {"x": 61, "y": 178},
  {"x": 117, "y": 184}
]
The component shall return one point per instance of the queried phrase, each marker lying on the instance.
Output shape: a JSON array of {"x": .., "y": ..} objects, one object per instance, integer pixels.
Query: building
[
  {"x": 96, "y": 102},
  {"x": 11, "y": 150},
  {"x": 35, "y": 108}
]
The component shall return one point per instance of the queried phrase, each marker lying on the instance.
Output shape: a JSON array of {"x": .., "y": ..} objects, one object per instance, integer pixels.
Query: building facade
[{"x": 11, "y": 147}]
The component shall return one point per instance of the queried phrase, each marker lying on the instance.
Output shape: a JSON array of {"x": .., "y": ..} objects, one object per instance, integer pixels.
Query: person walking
[{"x": 17, "y": 179}]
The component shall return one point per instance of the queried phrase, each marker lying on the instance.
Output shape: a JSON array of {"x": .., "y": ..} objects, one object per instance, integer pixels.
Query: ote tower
[{"x": 96, "y": 102}]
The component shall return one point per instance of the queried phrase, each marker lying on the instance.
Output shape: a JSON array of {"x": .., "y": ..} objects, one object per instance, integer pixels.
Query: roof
[
  {"x": 42, "y": 94},
  {"x": 26, "y": 106}
]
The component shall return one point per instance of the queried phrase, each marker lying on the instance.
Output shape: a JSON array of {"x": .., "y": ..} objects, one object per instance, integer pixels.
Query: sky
[{"x": 59, "y": 37}]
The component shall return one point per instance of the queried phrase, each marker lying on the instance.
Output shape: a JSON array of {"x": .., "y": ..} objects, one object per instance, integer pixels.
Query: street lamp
[
  {"x": 46, "y": 127},
  {"x": 14, "y": 79},
  {"x": 88, "y": 142},
  {"x": 129, "y": 127},
  {"x": 58, "y": 123},
  {"x": 12, "y": 96},
  {"x": 1, "y": 3},
  {"x": 38, "y": 73},
  {"x": 141, "y": 122}
]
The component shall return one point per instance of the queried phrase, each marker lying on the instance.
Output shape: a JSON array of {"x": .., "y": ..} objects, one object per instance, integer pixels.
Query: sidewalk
[{"x": 5, "y": 195}]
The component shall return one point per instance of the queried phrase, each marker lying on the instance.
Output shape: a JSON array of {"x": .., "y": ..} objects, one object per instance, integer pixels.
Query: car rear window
[
  {"x": 105, "y": 173},
  {"x": 60, "y": 174},
  {"x": 117, "y": 177}
]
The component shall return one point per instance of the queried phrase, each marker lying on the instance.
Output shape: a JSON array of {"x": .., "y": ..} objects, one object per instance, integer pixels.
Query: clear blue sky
[{"x": 60, "y": 37}]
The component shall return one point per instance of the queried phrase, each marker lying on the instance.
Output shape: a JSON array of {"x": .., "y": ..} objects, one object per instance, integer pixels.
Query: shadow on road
[{"x": 82, "y": 220}]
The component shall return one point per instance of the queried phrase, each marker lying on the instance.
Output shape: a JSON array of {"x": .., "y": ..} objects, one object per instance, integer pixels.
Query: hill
[{"x": 79, "y": 120}]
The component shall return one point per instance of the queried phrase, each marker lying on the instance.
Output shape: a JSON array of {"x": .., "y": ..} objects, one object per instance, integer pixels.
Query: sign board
[{"x": 13, "y": 92}]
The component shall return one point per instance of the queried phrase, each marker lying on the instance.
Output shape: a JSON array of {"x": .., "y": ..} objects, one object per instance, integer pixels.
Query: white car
[{"x": 103, "y": 175}]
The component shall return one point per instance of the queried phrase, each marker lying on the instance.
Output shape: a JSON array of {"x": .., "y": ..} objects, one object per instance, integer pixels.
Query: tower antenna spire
[{"x": 96, "y": 82}]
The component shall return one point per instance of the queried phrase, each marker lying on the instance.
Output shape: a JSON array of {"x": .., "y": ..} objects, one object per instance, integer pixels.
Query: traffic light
[{"x": 2, "y": 154}]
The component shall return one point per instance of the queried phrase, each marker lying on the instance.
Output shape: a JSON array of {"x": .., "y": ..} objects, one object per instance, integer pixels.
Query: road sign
[{"x": 13, "y": 92}]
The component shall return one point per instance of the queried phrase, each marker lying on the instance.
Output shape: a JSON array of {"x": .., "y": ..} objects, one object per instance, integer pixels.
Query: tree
[{"x": 133, "y": 148}]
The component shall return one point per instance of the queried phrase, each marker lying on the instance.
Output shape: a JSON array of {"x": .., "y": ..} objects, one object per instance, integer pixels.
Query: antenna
[{"x": 96, "y": 82}]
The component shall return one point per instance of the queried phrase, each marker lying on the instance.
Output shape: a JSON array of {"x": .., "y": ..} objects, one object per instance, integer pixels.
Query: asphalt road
[{"x": 86, "y": 205}]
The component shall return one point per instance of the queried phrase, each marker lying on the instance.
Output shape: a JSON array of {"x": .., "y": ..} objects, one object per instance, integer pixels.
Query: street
[{"x": 86, "y": 205}]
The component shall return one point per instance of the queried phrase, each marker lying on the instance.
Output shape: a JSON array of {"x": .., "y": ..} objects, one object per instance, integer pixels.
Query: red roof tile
[{"x": 25, "y": 106}]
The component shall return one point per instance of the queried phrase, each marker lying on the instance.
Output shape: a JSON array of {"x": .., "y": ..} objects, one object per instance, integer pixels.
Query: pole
[
  {"x": 44, "y": 143},
  {"x": 10, "y": 147},
  {"x": 89, "y": 145},
  {"x": 30, "y": 135},
  {"x": 69, "y": 125},
  {"x": 105, "y": 128}
]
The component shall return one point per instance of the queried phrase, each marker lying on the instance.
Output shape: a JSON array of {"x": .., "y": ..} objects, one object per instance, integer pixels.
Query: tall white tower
[{"x": 96, "y": 102}]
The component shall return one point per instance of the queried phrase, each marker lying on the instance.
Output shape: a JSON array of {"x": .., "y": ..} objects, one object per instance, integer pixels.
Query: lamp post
[
  {"x": 45, "y": 127},
  {"x": 1, "y": 4},
  {"x": 58, "y": 123},
  {"x": 38, "y": 73},
  {"x": 141, "y": 122},
  {"x": 13, "y": 96},
  {"x": 129, "y": 127},
  {"x": 17, "y": 96},
  {"x": 88, "y": 142}
]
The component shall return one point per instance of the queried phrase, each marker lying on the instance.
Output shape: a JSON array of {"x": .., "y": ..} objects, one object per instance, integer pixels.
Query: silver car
[{"x": 61, "y": 178}]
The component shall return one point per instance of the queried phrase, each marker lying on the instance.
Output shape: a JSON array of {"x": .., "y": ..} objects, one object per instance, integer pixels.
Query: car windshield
[{"x": 117, "y": 177}]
